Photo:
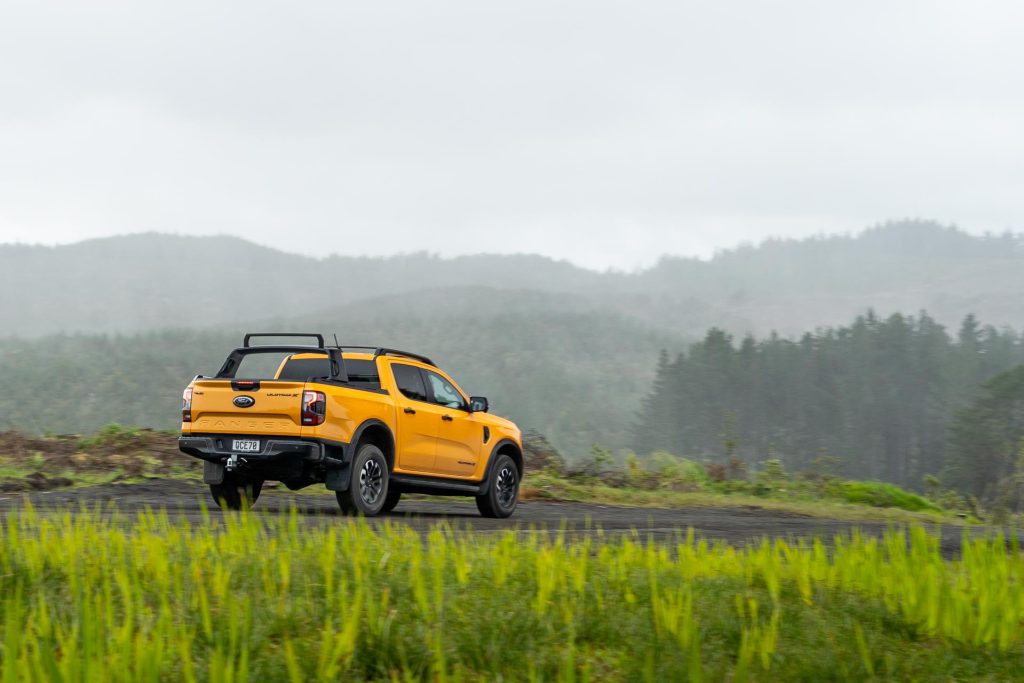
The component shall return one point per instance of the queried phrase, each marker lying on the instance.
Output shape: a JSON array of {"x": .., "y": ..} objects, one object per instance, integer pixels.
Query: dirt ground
[
  {"x": 118, "y": 454},
  {"x": 737, "y": 526}
]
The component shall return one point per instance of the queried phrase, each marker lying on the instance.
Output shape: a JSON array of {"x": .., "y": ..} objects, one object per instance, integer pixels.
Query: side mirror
[{"x": 478, "y": 404}]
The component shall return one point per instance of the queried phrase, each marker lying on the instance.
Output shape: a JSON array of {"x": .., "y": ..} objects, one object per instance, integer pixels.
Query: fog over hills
[
  {"x": 561, "y": 349},
  {"x": 141, "y": 282}
]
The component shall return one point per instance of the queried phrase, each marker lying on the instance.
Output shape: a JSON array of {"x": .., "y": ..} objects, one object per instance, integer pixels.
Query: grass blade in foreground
[{"x": 89, "y": 597}]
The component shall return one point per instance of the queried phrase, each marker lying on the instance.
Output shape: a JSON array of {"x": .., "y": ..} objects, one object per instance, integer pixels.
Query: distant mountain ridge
[
  {"x": 151, "y": 281},
  {"x": 561, "y": 349}
]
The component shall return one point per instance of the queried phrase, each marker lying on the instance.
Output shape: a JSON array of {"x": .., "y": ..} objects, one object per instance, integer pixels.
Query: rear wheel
[
  {"x": 502, "y": 490},
  {"x": 394, "y": 495},
  {"x": 236, "y": 494},
  {"x": 368, "y": 491}
]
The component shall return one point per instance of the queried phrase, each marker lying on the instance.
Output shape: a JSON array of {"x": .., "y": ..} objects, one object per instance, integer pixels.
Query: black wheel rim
[
  {"x": 371, "y": 481},
  {"x": 505, "y": 487}
]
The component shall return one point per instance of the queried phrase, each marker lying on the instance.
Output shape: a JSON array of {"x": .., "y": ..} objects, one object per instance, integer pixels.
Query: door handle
[
  {"x": 410, "y": 411},
  {"x": 447, "y": 418}
]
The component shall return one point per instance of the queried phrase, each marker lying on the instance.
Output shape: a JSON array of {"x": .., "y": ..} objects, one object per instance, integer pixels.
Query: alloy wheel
[
  {"x": 506, "y": 487},
  {"x": 371, "y": 481}
]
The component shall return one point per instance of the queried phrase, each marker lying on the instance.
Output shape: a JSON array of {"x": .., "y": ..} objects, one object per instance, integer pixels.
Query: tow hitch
[{"x": 233, "y": 462}]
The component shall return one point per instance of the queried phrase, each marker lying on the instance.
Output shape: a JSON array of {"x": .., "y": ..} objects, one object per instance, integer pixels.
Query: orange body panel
[
  {"x": 276, "y": 413},
  {"x": 426, "y": 443}
]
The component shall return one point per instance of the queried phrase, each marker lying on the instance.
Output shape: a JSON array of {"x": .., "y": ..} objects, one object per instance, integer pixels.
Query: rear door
[
  {"x": 418, "y": 420},
  {"x": 260, "y": 407}
]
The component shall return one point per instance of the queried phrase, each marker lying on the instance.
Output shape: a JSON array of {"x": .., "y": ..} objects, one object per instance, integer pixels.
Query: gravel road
[{"x": 734, "y": 525}]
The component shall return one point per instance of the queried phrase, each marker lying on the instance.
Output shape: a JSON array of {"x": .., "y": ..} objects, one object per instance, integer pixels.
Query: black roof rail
[
  {"x": 383, "y": 351},
  {"x": 380, "y": 351},
  {"x": 319, "y": 337}
]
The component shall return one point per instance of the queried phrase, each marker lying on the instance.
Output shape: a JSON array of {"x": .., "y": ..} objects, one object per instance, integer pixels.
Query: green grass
[
  {"x": 878, "y": 494},
  {"x": 112, "y": 436},
  {"x": 127, "y": 455},
  {"x": 245, "y": 597},
  {"x": 550, "y": 486},
  {"x": 10, "y": 470}
]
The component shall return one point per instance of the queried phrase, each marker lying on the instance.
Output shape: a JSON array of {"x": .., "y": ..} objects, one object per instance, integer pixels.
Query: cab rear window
[{"x": 362, "y": 373}]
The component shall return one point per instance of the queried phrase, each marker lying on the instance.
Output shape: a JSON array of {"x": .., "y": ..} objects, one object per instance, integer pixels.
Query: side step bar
[{"x": 437, "y": 487}]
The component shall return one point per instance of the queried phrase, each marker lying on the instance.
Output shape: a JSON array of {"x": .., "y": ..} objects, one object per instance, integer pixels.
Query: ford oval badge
[{"x": 244, "y": 401}]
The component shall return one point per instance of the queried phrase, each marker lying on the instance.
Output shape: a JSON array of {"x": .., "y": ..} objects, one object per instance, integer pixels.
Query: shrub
[
  {"x": 881, "y": 495},
  {"x": 676, "y": 472},
  {"x": 716, "y": 471},
  {"x": 110, "y": 436},
  {"x": 733, "y": 470},
  {"x": 638, "y": 476},
  {"x": 773, "y": 474},
  {"x": 737, "y": 468}
]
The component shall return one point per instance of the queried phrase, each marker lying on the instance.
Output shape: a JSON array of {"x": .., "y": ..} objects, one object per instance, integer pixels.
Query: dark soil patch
[
  {"x": 133, "y": 452},
  {"x": 737, "y": 526}
]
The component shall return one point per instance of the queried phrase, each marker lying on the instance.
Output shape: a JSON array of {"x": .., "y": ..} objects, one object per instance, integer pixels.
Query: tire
[
  {"x": 236, "y": 494},
  {"x": 368, "y": 491},
  {"x": 502, "y": 490},
  {"x": 394, "y": 495}
]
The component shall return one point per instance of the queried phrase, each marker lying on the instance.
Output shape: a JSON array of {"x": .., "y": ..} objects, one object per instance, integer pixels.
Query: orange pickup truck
[{"x": 370, "y": 423}]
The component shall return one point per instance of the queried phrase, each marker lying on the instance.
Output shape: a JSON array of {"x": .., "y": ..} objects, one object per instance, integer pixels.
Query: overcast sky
[{"x": 604, "y": 133}]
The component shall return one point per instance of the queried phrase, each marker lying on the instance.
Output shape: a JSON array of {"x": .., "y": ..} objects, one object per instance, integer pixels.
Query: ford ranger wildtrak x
[{"x": 369, "y": 423}]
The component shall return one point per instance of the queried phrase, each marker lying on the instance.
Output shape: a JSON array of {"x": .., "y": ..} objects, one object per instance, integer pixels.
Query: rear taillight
[
  {"x": 314, "y": 408},
  {"x": 186, "y": 405}
]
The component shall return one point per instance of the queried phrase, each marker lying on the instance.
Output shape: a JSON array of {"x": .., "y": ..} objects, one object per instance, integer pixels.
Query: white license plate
[{"x": 245, "y": 445}]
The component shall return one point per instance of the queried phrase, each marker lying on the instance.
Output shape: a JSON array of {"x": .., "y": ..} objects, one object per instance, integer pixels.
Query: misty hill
[
  {"x": 141, "y": 282},
  {"x": 568, "y": 351},
  {"x": 577, "y": 375}
]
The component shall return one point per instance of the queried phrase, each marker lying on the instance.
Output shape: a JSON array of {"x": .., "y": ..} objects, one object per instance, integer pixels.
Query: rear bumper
[
  {"x": 277, "y": 457},
  {"x": 218, "y": 448}
]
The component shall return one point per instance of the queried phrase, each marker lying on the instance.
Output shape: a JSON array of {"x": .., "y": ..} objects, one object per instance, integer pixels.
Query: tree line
[
  {"x": 891, "y": 399},
  {"x": 546, "y": 370}
]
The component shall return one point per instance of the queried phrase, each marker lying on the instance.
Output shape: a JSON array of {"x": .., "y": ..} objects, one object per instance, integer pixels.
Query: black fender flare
[
  {"x": 492, "y": 459},
  {"x": 357, "y": 436},
  {"x": 340, "y": 479}
]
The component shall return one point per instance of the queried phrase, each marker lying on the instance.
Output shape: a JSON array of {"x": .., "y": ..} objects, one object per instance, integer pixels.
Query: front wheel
[
  {"x": 502, "y": 490},
  {"x": 236, "y": 494},
  {"x": 368, "y": 491}
]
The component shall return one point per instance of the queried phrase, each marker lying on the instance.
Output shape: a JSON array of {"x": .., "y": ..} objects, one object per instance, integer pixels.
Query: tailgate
[{"x": 224, "y": 406}]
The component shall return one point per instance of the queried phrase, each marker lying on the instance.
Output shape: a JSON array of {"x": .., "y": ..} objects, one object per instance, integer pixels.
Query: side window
[
  {"x": 362, "y": 373},
  {"x": 409, "y": 381},
  {"x": 442, "y": 392}
]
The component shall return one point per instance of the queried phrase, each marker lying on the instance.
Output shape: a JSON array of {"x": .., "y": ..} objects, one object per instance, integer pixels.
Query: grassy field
[
  {"x": 90, "y": 597},
  {"x": 118, "y": 454},
  {"x": 549, "y": 486}
]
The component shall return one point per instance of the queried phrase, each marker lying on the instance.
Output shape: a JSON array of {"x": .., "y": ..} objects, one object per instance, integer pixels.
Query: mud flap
[
  {"x": 213, "y": 472},
  {"x": 338, "y": 479}
]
